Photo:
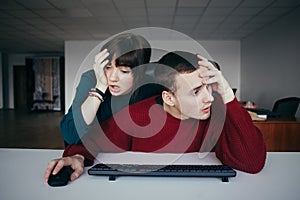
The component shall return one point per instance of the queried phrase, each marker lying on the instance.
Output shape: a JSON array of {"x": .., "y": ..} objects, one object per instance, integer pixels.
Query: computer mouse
[{"x": 61, "y": 178}]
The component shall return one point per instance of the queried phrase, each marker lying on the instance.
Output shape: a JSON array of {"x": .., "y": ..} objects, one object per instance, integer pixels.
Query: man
[{"x": 196, "y": 112}]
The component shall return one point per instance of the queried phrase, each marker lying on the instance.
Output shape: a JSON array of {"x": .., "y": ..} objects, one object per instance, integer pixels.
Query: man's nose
[{"x": 208, "y": 97}]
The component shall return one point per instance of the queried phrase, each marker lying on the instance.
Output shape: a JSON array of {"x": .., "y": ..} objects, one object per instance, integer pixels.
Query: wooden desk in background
[{"x": 280, "y": 135}]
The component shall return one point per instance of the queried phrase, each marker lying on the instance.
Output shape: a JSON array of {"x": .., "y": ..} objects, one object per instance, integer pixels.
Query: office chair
[{"x": 286, "y": 107}]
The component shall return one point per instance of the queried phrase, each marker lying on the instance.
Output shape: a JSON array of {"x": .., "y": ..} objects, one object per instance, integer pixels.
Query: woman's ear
[{"x": 168, "y": 98}]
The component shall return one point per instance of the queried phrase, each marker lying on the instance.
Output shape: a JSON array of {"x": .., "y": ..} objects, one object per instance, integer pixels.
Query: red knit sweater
[{"x": 146, "y": 127}]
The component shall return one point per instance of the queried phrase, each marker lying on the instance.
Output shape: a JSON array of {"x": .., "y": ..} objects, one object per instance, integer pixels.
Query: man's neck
[{"x": 173, "y": 111}]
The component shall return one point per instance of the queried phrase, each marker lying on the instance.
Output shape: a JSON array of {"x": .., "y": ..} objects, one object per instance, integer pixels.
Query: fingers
[
  {"x": 76, "y": 162},
  {"x": 78, "y": 166},
  {"x": 100, "y": 62},
  {"x": 204, "y": 62},
  {"x": 55, "y": 166},
  {"x": 49, "y": 169},
  {"x": 210, "y": 81},
  {"x": 210, "y": 75},
  {"x": 202, "y": 58},
  {"x": 77, "y": 172},
  {"x": 207, "y": 71},
  {"x": 60, "y": 164},
  {"x": 99, "y": 58}
]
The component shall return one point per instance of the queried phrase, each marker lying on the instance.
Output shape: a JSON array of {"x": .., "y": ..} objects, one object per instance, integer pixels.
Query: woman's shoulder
[
  {"x": 87, "y": 79},
  {"x": 88, "y": 74}
]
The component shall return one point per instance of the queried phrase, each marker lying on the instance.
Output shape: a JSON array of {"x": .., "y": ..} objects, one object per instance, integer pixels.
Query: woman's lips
[{"x": 114, "y": 88}]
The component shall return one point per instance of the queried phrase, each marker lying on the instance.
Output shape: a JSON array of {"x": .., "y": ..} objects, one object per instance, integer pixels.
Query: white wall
[
  {"x": 75, "y": 54},
  {"x": 79, "y": 57},
  {"x": 270, "y": 62}
]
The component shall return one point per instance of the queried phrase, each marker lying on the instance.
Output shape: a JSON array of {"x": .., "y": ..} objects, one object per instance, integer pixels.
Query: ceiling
[{"x": 43, "y": 25}]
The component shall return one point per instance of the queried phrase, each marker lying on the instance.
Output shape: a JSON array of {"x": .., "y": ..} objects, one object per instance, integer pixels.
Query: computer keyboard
[{"x": 115, "y": 170}]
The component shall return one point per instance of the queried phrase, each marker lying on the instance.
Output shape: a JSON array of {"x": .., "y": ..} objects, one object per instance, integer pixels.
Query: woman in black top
[{"x": 114, "y": 83}]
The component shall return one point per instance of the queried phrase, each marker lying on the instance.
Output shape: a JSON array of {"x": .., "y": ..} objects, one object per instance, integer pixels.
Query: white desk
[{"x": 21, "y": 177}]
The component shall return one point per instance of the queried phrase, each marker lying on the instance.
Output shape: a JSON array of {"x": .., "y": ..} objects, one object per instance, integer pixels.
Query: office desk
[
  {"x": 280, "y": 135},
  {"x": 21, "y": 176}
]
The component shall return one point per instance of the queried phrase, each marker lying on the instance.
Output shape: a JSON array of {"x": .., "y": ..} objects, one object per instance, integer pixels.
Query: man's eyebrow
[{"x": 197, "y": 87}]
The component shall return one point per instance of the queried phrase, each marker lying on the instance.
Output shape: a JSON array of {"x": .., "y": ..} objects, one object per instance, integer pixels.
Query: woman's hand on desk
[{"x": 55, "y": 165}]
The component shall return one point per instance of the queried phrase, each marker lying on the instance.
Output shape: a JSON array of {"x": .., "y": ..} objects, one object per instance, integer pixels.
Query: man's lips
[{"x": 207, "y": 109}]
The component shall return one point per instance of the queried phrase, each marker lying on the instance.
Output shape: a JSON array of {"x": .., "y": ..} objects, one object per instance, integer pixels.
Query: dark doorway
[{"x": 20, "y": 87}]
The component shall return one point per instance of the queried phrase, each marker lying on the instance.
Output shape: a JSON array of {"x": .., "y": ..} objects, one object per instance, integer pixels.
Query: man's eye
[{"x": 196, "y": 91}]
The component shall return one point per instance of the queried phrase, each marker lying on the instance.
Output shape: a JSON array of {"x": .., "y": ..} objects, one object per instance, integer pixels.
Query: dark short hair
[
  {"x": 130, "y": 50},
  {"x": 173, "y": 63}
]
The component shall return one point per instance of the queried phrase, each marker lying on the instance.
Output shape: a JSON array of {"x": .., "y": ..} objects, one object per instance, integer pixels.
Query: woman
[{"x": 111, "y": 85}]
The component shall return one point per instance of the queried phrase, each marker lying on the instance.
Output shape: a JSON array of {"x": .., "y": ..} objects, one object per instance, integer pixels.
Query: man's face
[{"x": 193, "y": 99}]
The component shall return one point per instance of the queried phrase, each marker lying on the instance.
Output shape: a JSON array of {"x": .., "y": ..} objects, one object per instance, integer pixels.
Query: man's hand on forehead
[
  {"x": 204, "y": 62},
  {"x": 201, "y": 71},
  {"x": 212, "y": 76},
  {"x": 207, "y": 71}
]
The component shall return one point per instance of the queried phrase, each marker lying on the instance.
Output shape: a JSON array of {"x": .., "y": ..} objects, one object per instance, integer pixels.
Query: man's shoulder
[
  {"x": 141, "y": 108},
  {"x": 137, "y": 112}
]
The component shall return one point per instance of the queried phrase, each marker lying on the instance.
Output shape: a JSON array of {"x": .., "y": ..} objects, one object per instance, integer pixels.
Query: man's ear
[{"x": 168, "y": 98}]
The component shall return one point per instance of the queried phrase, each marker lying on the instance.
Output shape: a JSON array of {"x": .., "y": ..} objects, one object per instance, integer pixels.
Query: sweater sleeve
[
  {"x": 241, "y": 144},
  {"x": 72, "y": 125},
  {"x": 104, "y": 137},
  {"x": 73, "y": 149}
]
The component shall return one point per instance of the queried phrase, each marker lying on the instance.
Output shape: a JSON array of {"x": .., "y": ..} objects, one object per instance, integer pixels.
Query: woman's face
[{"x": 119, "y": 78}]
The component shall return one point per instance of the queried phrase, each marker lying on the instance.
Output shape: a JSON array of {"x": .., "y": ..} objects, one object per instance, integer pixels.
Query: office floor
[{"x": 23, "y": 129}]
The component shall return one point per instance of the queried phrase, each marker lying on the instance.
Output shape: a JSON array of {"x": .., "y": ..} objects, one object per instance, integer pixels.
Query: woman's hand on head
[
  {"x": 212, "y": 76},
  {"x": 99, "y": 65},
  {"x": 76, "y": 162}
]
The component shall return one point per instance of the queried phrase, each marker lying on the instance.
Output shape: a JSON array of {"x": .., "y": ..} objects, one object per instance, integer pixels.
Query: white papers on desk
[
  {"x": 262, "y": 116},
  {"x": 256, "y": 117}
]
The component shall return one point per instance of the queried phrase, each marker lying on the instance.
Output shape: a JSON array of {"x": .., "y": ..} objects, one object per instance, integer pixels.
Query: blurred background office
[{"x": 256, "y": 42}]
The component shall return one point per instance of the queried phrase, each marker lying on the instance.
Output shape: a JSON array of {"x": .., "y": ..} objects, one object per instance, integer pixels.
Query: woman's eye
[
  {"x": 125, "y": 71},
  {"x": 107, "y": 67}
]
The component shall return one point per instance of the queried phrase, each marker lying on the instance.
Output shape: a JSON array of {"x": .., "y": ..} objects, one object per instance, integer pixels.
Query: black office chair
[{"x": 286, "y": 107}]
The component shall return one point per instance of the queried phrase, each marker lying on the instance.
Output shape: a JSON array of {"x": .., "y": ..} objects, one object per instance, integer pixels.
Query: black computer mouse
[{"x": 61, "y": 178}]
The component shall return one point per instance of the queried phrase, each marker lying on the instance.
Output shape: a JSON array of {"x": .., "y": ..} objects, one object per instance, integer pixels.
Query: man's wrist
[
  {"x": 79, "y": 156},
  {"x": 228, "y": 96}
]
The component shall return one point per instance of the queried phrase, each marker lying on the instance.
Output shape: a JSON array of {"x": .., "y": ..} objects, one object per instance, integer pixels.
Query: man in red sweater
[{"x": 196, "y": 112}]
